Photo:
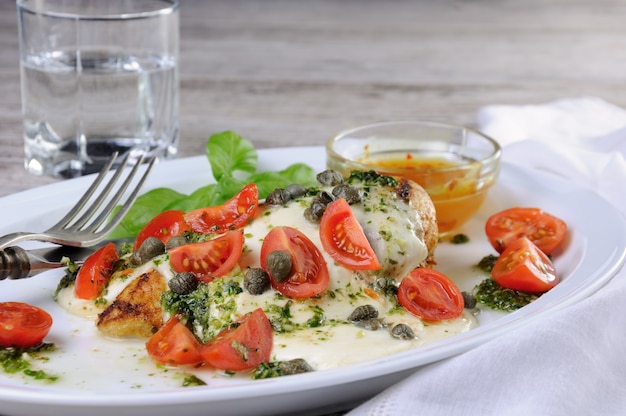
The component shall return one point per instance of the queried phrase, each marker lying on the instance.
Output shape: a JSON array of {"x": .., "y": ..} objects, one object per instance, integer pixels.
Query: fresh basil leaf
[
  {"x": 213, "y": 194},
  {"x": 197, "y": 199},
  {"x": 226, "y": 189},
  {"x": 301, "y": 174},
  {"x": 231, "y": 155},
  {"x": 233, "y": 161},
  {"x": 297, "y": 173},
  {"x": 146, "y": 207}
]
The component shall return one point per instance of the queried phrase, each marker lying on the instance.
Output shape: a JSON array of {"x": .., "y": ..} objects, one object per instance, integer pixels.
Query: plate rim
[{"x": 383, "y": 366}]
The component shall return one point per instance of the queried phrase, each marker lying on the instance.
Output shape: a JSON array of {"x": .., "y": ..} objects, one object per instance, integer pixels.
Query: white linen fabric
[{"x": 574, "y": 361}]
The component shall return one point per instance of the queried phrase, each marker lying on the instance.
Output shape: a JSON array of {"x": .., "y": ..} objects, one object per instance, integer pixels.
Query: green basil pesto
[
  {"x": 460, "y": 239},
  {"x": 192, "y": 381},
  {"x": 21, "y": 360},
  {"x": 196, "y": 237},
  {"x": 208, "y": 309},
  {"x": 486, "y": 263},
  {"x": 69, "y": 278},
  {"x": 281, "y": 368},
  {"x": 281, "y": 317},
  {"x": 318, "y": 319},
  {"x": 267, "y": 370},
  {"x": 491, "y": 294},
  {"x": 494, "y": 296},
  {"x": 213, "y": 307},
  {"x": 371, "y": 178},
  {"x": 125, "y": 249}
]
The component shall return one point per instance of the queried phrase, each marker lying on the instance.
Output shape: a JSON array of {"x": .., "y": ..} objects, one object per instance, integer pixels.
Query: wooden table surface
[{"x": 289, "y": 73}]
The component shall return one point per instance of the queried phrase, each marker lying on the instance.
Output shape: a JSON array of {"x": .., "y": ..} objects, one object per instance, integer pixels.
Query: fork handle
[
  {"x": 12, "y": 238},
  {"x": 17, "y": 263}
]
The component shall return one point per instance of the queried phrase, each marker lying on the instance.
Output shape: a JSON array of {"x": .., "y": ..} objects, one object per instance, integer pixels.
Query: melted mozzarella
[
  {"x": 322, "y": 335},
  {"x": 90, "y": 308},
  {"x": 394, "y": 230}
]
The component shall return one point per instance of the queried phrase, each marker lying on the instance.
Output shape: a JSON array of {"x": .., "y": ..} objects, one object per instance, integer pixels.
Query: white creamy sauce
[
  {"x": 336, "y": 342},
  {"x": 90, "y": 309},
  {"x": 394, "y": 231}
]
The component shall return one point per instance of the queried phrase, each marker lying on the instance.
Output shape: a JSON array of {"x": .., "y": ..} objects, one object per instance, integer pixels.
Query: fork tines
[{"x": 83, "y": 214}]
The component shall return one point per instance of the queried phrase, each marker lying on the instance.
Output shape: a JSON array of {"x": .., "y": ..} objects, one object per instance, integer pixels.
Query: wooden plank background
[{"x": 288, "y": 73}]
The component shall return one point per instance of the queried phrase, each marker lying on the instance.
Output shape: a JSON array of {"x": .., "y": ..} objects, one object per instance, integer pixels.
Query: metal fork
[{"x": 85, "y": 226}]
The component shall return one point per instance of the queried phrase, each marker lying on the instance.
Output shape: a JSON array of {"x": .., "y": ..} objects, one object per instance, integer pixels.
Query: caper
[
  {"x": 329, "y": 177},
  {"x": 402, "y": 331},
  {"x": 347, "y": 192},
  {"x": 278, "y": 196},
  {"x": 363, "y": 313},
  {"x": 149, "y": 249},
  {"x": 176, "y": 241},
  {"x": 324, "y": 197},
  {"x": 386, "y": 285},
  {"x": 295, "y": 190},
  {"x": 295, "y": 366},
  {"x": 382, "y": 283},
  {"x": 469, "y": 300},
  {"x": 318, "y": 206},
  {"x": 315, "y": 211},
  {"x": 279, "y": 265},
  {"x": 256, "y": 281},
  {"x": 373, "y": 324},
  {"x": 183, "y": 283}
]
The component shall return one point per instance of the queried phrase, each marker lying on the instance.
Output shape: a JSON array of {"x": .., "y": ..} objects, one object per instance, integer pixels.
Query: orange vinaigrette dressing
[{"x": 453, "y": 189}]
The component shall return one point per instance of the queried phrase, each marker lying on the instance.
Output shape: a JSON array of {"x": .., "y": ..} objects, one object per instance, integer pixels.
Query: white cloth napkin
[{"x": 573, "y": 362}]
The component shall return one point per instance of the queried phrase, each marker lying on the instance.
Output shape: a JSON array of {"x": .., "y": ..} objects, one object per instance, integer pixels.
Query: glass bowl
[{"x": 456, "y": 165}]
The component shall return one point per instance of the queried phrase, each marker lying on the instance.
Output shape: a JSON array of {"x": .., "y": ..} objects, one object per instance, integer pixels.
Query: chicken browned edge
[{"x": 423, "y": 204}]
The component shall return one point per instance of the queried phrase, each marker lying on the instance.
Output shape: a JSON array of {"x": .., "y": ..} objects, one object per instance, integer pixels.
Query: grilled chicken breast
[
  {"x": 422, "y": 204},
  {"x": 137, "y": 311},
  {"x": 399, "y": 221}
]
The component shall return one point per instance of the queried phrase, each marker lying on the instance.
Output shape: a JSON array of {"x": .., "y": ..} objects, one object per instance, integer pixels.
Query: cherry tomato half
[
  {"x": 344, "y": 240},
  {"x": 174, "y": 344},
  {"x": 545, "y": 230},
  {"x": 524, "y": 267},
  {"x": 243, "y": 346},
  {"x": 95, "y": 272},
  {"x": 234, "y": 213},
  {"x": 23, "y": 325},
  {"x": 164, "y": 226},
  {"x": 309, "y": 273},
  {"x": 430, "y": 295},
  {"x": 209, "y": 259}
]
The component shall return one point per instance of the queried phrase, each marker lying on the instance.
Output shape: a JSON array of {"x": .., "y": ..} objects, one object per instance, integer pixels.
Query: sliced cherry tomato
[
  {"x": 243, "y": 346},
  {"x": 524, "y": 267},
  {"x": 430, "y": 295},
  {"x": 344, "y": 240},
  {"x": 23, "y": 325},
  {"x": 95, "y": 272},
  {"x": 174, "y": 344},
  {"x": 209, "y": 259},
  {"x": 164, "y": 226},
  {"x": 309, "y": 273},
  {"x": 233, "y": 214},
  {"x": 545, "y": 230}
]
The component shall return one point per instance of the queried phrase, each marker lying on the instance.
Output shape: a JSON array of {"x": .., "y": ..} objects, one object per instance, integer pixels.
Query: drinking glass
[{"x": 97, "y": 77}]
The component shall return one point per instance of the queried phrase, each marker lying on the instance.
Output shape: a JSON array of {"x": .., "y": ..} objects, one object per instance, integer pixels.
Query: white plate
[{"x": 104, "y": 377}]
